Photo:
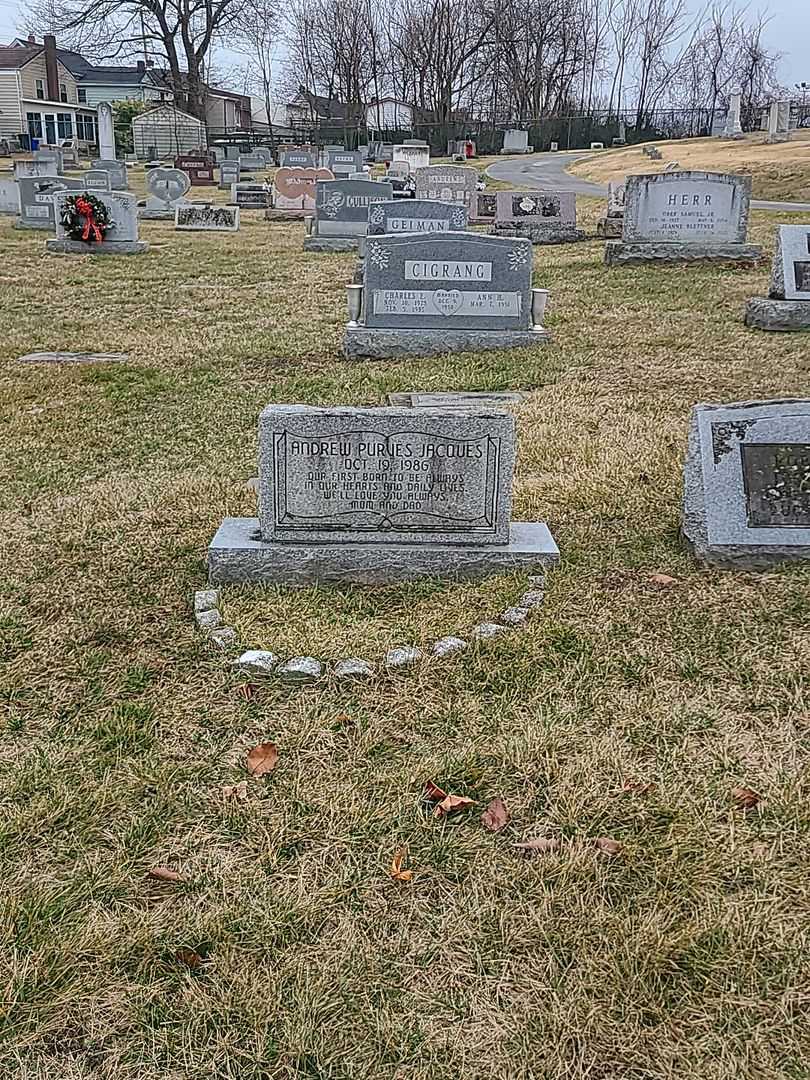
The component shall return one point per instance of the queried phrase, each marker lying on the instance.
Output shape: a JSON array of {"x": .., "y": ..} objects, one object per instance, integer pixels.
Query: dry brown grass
[
  {"x": 685, "y": 955},
  {"x": 780, "y": 171}
]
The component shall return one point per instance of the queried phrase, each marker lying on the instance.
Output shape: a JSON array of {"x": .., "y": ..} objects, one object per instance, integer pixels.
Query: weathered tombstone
[
  {"x": 294, "y": 192},
  {"x": 252, "y": 162},
  {"x": 341, "y": 213},
  {"x": 344, "y": 162},
  {"x": 9, "y": 195},
  {"x": 27, "y": 168},
  {"x": 516, "y": 141},
  {"x": 783, "y": 120},
  {"x": 250, "y": 196},
  {"x": 423, "y": 216},
  {"x": 448, "y": 183},
  {"x": 544, "y": 217},
  {"x": 106, "y": 131},
  {"x": 672, "y": 166},
  {"x": 486, "y": 208},
  {"x": 685, "y": 217},
  {"x": 621, "y": 138},
  {"x": 415, "y": 157},
  {"x": 97, "y": 180},
  {"x": 787, "y": 306},
  {"x": 747, "y": 483},
  {"x": 121, "y": 238},
  {"x": 70, "y": 153},
  {"x": 597, "y": 146},
  {"x": 733, "y": 128},
  {"x": 610, "y": 227},
  {"x": 36, "y": 200},
  {"x": 372, "y": 496},
  {"x": 424, "y": 295},
  {"x": 167, "y": 189},
  {"x": 195, "y": 217},
  {"x": 199, "y": 167},
  {"x": 230, "y": 172},
  {"x": 298, "y": 159},
  {"x": 51, "y": 156},
  {"x": 398, "y": 170},
  {"x": 116, "y": 169}
]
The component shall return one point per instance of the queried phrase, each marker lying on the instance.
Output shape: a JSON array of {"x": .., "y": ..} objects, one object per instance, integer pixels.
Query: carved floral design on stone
[
  {"x": 722, "y": 434},
  {"x": 332, "y": 204},
  {"x": 378, "y": 256},
  {"x": 517, "y": 257},
  {"x": 376, "y": 215},
  {"x": 459, "y": 217}
]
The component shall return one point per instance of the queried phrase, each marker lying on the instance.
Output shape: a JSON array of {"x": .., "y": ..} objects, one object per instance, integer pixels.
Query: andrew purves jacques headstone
[
  {"x": 377, "y": 495},
  {"x": 787, "y": 306},
  {"x": 747, "y": 483},
  {"x": 687, "y": 217},
  {"x": 424, "y": 295},
  {"x": 544, "y": 217},
  {"x": 121, "y": 237},
  {"x": 341, "y": 213}
]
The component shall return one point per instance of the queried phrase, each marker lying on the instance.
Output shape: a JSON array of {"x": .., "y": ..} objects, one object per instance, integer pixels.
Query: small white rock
[
  {"x": 402, "y": 657},
  {"x": 487, "y": 630},
  {"x": 533, "y": 598},
  {"x": 223, "y": 637},
  {"x": 446, "y": 646},
  {"x": 537, "y": 581},
  {"x": 300, "y": 669},
  {"x": 353, "y": 668},
  {"x": 253, "y": 484},
  {"x": 514, "y": 616},
  {"x": 257, "y": 662},
  {"x": 208, "y": 620},
  {"x": 206, "y": 600}
]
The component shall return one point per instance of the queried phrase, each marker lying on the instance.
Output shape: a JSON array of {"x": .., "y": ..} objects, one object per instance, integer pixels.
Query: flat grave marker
[{"x": 198, "y": 218}]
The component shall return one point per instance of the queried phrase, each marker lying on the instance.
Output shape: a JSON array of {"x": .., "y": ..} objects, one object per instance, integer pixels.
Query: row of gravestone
[{"x": 376, "y": 495}]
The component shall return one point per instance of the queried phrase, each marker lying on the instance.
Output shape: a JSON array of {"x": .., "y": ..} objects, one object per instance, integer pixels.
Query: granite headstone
[
  {"x": 116, "y": 169},
  {"x": 544, "y": 217},
  {"x": 448, "y": 183},
  {"x": 121, "y": 237},
  {"x": 195, "y": 217},
  {"x": 341, "y": 213},
  {"x": 167, "y": 188},
  {"x": 787, "y": 306}
]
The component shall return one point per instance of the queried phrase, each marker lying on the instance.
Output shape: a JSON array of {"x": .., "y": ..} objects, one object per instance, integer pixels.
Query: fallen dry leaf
[
  {"x": 637, "y": 787},
  {"x": 664, "y": 581},
  {"x": 262, "y": 759},
  {"x": 165, "y": 873},
  {"x": 235, "y": 791},
  {"x": 397, "y": 872},
  {"x": 496, "y": 816},
  {"x": 745, "y": 798},
  {"x": 450, "y": 804},
  {"x": 434, "y": 792},
  {"x": 541, "y": 845},
  {"x": 246, "y": 690},
  {"x": 188, "y": 958},
  {"x": 608, "y": 846}
]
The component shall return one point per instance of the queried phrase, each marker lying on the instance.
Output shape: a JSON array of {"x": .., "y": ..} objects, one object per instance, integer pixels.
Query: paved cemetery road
[{"x": 549, "y": 171}]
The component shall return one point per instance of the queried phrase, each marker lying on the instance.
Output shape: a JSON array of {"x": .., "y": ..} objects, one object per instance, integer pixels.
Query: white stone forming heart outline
[
  {"x": 167, "y": 184},
  {"x": 448, "y": 301}
]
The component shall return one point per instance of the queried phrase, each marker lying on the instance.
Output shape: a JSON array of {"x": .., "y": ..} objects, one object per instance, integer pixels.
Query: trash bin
[
  {"x": 24, "y": 139},
  {"x": 34, "y": 144}
]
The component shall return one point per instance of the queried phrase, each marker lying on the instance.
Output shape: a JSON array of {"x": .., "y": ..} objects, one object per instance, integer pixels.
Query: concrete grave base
[
  {"x": 742, "y": 556},
  {"x": 106, "y": 247},
  {"x": 385, "y": 344},
  {"x": 237, "y": 553},
  {"x": 766, "y": 314},
  {"x": 331, "y": 243},
  {"x": 541, "y": 234},
  {"x": 608, "y": 228},
  {"x": 46, "y": 226},
  {"x": 617, "y": 253},
  {"x": 286, "y": 215}
]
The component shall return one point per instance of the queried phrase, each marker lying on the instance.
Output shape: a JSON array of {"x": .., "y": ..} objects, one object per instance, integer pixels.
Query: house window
[
  {"x": 64, "y": 125},
  {"x": 62, "y": 92},
  {"x": 34, "y": 125},
  {"x": 41, "y": 89},
  {"x": 82, "y": 91},
  {"x": 86, "y": 127}
]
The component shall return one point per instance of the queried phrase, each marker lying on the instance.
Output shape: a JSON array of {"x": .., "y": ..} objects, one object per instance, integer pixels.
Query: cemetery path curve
[{"x": 550, "y": 171}]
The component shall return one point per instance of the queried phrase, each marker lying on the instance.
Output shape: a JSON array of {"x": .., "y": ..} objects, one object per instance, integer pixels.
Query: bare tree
[{"x": 256, "y": 36}]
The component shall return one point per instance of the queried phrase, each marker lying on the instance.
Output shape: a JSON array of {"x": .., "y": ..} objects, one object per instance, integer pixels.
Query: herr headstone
[
  {"x": 121, "y": 237},
  {"x": 747, "y": 483},
  {"x": 544, "y": 217},
  {"x": 116, "y": 169},
  {"x": 196, "y": 217},
  {"x": 787, "y": 307},
  {"x": 448, "y": 183},
  {"x": 432, "y": 294},
  {"x": 167, "y": 189},
  {"x": 686, "y": 216},
  {"x": 37, "y": 209},
  {"x": 341, "y": 212},
  {"x": 378, "y": 495}
]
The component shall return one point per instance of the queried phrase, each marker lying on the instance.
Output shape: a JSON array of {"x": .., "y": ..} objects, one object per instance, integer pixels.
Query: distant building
[{"x": 165, "y": 131}]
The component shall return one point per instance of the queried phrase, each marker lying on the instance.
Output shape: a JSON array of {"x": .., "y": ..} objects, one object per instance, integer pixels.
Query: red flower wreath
[{"x": 84, "y": 217}]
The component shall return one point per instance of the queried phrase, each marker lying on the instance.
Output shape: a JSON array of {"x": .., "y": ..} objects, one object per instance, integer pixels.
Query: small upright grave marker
[
  {"x": 250, "y": 196},
  {"x": 787, "y": 307},
  {"x": 199, "y": 167},
  {"x": 79, "y": 227},
  {"x": 448, "y": 183},
  {"x": 611, "y": 225},
  {"x": 167, "y": 188},
  {"x": 379, "y": 495},
  {"x": 298, "y": 158},
  {"x": 230, "y": 172},
  {"x": 747, "y": 483},
  {"x": 344, "y": 162},
  {"x": 544, "y": 217},
  {"x": 116, "y": 169}
]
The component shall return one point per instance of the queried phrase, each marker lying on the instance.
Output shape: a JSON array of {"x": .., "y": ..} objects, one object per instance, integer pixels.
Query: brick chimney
[
  {"x": 51, "y": 68},
  {"x": 141, "y": 67}
]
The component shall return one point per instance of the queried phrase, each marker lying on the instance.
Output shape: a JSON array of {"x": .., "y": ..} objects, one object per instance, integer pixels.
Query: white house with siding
[{"x": 166, "y": 131}]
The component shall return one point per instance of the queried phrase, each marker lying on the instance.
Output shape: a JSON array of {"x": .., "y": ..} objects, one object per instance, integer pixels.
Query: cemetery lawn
[
  {"x": 642, "y": 694},
  {"x": 780, "y": 171}
]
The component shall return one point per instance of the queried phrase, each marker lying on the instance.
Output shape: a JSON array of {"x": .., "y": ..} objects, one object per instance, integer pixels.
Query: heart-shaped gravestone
[
  {"x": 167, "y": 184},
  {"x": 448, "y": 301}
]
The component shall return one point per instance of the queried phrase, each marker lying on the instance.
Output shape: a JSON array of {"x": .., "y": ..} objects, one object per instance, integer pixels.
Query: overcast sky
[{"x": 788, "y": 31}]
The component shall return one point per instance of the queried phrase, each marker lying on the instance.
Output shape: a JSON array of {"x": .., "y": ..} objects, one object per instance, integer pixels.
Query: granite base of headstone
[
  {"x": 380, "y": 495},
  {"x": 424, "y": 296},
  {"x": 787, "y": 306},
  {"x": 747, "y": 484},
  {"x": 121, "y": 238},
  {"x": 341, "y": 213},
  {"x": 544, "y": 217},
  {"x": 685, "y": 217}
]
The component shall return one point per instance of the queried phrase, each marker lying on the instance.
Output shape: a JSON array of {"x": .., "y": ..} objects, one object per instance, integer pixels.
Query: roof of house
[
  {"x": 329, "y": 108},
  {"x": 12, "y": 57}
]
